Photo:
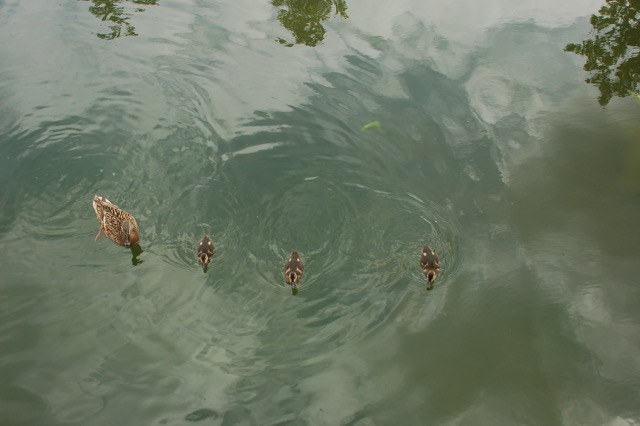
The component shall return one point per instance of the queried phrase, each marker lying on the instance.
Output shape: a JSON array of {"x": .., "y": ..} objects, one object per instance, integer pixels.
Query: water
[{"x": 491, "y": 148}]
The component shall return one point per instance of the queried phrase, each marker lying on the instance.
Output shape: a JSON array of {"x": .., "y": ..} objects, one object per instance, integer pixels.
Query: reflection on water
[
  {"x": 116, "y": 13},
  {"x": 201, "y": 414},
  {"x": 304, "y": 19},
  {"x": 612, "y": 56},
  {"x": 136, "y": 251},
  {"x": 531, "y": 320}
]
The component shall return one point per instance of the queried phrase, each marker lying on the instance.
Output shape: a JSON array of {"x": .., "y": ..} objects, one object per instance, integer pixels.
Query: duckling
[
  {"x": 116, "y": 224},
  {"x": 205, "y": 251},
  {"x": 293, "y": 269},
  {"x": 430, "y": 263}
]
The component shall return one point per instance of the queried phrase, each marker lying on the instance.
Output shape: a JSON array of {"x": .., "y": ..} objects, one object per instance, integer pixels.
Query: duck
[
  {"x": 430, "y": 263},
  {"x": 205, "y": 251},
  {"x": 293, "y": 269},
  {"x": 116, "y": 224}
]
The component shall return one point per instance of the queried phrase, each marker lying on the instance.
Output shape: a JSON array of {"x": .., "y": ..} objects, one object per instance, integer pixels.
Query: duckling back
[
  {"x": 430, "y": 263},
  {"x": 205, "y": 251},
  {"x": 293, "y": 269}
]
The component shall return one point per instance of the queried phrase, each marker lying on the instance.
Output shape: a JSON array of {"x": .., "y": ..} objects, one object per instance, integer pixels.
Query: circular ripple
[
  {"x": 399, "y": 224},
  {"x": 177, "y": 227},
  {"x": 383, "y": 265},
  {"x": 314, "y": 216},
  {"x": 361, "y": 248},
  {"x": 180, "y": 251}
]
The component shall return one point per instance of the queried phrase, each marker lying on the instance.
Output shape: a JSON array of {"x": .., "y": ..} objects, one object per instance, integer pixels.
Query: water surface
[{"x": 220, "y": 119}]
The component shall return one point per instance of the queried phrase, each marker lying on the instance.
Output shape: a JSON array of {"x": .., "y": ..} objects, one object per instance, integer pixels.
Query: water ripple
[{"x": 314, "y": 216}]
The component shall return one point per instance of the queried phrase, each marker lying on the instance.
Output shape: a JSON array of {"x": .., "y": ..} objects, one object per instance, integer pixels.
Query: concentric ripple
[
  {"x": 313, "y": 215},
  {"x": 399, "y": 224}
]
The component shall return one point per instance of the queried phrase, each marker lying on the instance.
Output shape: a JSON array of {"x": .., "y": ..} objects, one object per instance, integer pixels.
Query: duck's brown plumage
[
  {"x": 293, "y": 269},
  {"x": 430, "y": 263},
  {"x": 116, "y": 224},
  {"x": 205, "y": 251}
]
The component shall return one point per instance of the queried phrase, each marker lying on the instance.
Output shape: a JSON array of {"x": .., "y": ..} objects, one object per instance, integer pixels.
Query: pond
[{"x": 502, "y": 134}]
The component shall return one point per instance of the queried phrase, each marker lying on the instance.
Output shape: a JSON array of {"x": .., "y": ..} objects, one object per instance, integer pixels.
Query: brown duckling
[
  {"x": 116, "y": 224},
  {"x": 205, "y": 251},
  {"x": 293, "y": 269},
  {"x": 430, "y": 263}
]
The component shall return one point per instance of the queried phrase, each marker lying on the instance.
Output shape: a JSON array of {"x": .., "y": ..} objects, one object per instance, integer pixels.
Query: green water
[{"x": 238, "y": 121}]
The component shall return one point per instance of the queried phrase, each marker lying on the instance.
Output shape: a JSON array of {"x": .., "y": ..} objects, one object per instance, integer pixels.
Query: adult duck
[{"x": 116, "y": 224}]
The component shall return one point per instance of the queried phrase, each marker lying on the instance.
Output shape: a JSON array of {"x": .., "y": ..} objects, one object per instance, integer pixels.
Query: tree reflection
[
  {"x": 113, "y": 11},
  {"x": 612, "y": 55},
  {"x": 136, "y": 250},
  {"x": 304, "y": 18}
]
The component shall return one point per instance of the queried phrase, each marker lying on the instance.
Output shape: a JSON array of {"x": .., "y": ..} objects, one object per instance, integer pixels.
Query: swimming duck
[
  {"x": 116, "y": 224},
  {"x": 205, "y": 251},
  {"x": 430, "y": 263},
  {"x": 293, "y": 269}
]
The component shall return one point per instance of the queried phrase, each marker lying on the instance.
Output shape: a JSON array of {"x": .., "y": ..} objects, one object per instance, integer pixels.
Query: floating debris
[{"x": 371, "y": 125}]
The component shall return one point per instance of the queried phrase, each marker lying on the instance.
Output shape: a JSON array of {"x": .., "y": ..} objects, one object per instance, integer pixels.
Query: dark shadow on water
[
  {"x": 591, "y": 176},
  {"x": 115, "y": 12},
  {"x": 202, "y": 414},
  {"x": 294, "y": 291},
  {"x": 304, "y": 18},
  {"x": 136, "y": 250},
  {"x": 613, "y": 53}
]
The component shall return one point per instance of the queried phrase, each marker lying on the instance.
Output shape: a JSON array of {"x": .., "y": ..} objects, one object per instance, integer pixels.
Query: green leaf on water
[
  {"x": 370, "y": 126},
  {"x": 635, "y": 95}
]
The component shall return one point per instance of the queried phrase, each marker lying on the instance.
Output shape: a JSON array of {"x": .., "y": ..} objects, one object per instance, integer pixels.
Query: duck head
[
  {"x": 130, "y": 233},
  {"x": 431, "y": 277}
]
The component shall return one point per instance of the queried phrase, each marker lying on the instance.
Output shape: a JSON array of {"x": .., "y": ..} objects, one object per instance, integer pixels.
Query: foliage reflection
[
  {"x": 612, "y": 55},
  {"x": 115, "y": 12},
  {"x": 304, "y": 19}
]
